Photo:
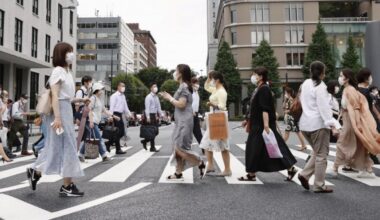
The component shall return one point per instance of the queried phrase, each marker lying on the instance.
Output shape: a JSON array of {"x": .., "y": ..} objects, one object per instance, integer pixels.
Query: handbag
[
  {"x": 44, "y": 105},
  {"x": 295, "y": 109},
  {"x": 91, "y": 146},
  {"x": 148, "y": 131},
  {"x": 110, "y": 132},
  {"x": 218, "y": 126},
  {"x": 271, "y": 145}
]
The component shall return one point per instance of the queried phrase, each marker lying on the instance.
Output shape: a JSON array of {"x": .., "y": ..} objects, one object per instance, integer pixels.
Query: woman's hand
[
  {"x": 57, "y": 123},
  {"x": 166, "y": 96}
]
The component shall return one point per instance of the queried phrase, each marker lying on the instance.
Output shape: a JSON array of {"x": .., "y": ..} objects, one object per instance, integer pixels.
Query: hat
[
  {"x": 24, "y": 96},
  {"x": 97, "y": 86}
]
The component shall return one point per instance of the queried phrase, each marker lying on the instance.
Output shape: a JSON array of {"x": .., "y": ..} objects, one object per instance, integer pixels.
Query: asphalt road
[{"x": 134, "y": 187}]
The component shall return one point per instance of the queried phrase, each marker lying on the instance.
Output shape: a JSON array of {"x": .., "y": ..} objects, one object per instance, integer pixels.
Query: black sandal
[
  {"x": 291, "y": 174},
  {"x": 202, "y": 169},
  {"x": 248, "y": 178},
  {"x": 175, "y": 176}
]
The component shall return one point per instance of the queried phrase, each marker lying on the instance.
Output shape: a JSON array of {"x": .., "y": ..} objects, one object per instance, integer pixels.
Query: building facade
[
  {"x": 140, "y": 57},
  {"x": 29, "y": 30},
  {"x": 288, "y": 27},
  {"x": 105, "y": 45},
  {"x": 146, "y": 38},
  {"x": 212, "y": 41}
]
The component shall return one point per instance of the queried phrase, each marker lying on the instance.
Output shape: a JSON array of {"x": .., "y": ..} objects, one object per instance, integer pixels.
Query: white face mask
[
  {"x": 337, "y": 89},
  {"x": 25, "y": 101},
  {"x": 155, "y": 90},
  {"x": 122, "y": 90},
  {"x": 175, "y": 76},
  {"x": 341, "y": 80},
  {"x": 70, "y": 57},
  {"x": 370, "y": 80},
  {"x": 254, "y": 80},
  {"x": 196, "y": 87}
]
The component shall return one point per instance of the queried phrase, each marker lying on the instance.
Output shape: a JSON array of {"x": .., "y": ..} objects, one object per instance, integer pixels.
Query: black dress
[{"x": 256, "y": 156}]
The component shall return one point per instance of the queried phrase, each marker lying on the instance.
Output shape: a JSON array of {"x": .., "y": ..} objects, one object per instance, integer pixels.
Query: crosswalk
[{"x": 124, "y": 168}]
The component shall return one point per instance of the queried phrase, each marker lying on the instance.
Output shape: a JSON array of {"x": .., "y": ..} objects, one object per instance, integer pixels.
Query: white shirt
[
  {"x": 17, "y": 109},
  {"x": 196, "y": 100},
  {"x": 118, "y": 103},
  {"x": 152, "y": 105},
  {"x": 60, "y": 75},
  {"x": 81, "y": 93},
  {"x": 97, "y": 108},
  {"x": 316, "y": 110}
]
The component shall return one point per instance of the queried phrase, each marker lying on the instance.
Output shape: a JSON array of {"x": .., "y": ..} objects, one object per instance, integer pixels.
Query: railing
[{"x": 345, "y": 19}]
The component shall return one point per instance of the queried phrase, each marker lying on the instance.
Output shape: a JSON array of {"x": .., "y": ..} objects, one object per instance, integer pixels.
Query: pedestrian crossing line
[
  {"x": 238, "y": 170},
  {"x": 188, "y": 177},
  {"x": 124, "y": 169},
  {"x": 241, "y": 146},
  {"x": 14, "y": 171},
  {"x": 18, "y": 160},
  {"x": 367, "y": 181},
  {"x": 32, "y": 212}
]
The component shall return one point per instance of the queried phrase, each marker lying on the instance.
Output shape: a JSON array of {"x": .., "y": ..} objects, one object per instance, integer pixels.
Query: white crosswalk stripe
[{"x": 188, "y": 177}]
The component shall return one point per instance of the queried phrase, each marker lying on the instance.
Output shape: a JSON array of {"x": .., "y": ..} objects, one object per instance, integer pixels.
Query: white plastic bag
[
  {"x": 3, "y": 135},
  {"x": 271, "y": 145}
]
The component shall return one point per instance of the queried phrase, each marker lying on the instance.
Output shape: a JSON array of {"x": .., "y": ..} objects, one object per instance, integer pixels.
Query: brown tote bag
[
  {"x": 218, "y": 126},
  {"x": 296, "y": 109}
]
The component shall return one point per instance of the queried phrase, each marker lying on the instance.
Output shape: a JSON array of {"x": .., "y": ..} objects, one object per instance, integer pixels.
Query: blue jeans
[
  {"x": 41, "y": 143},
  {"x": 96, "y": 132}
]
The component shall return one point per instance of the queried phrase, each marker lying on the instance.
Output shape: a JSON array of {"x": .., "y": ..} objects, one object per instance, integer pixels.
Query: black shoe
[
  {"x": 70, "y": 191},
  {"x": 34, "y": 151},
  {"x": 121, "y": 152},
  {"x": 33, "y": 178},
  {"x": 108, "y": 146},
  {"x": 12, "y": 156},
  {"x": 18, "y": 149},
  {"x": 154, "y": 150},
  {"x": 144, "y": 144}
]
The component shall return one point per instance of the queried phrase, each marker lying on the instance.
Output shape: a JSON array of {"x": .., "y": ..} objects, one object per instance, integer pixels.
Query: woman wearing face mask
[
  {"x": 92, "y": 125},
  {"x": 333, "y": 89},
  {"x": 183, "y": 131},
  {"x": 359, "y": 135},
  {"x": 215, "y": 85},
  {"x": 60, "y": 153},
  {"x": 291, "y": 124},
  {"x": 262, "y": 118}
]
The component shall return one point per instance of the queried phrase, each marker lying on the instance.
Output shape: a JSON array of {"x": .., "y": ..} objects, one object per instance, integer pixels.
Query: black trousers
[
  {"x": 153, "y": 121},
  {"x": 120, "y": 125},
  {"x": 197, "y": 129}
]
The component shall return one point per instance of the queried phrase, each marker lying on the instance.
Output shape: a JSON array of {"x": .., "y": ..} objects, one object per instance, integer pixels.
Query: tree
[
  {"x": 351, "y": 57},
  {"x": 265, "y": 57},
  {"x": 135, "y": 91},
  {"x": 320, "y": 49},
  {"x": 226, "y": 65},
  {"x": 154, "y": 75},
  {"x": 171, "y": 87}
]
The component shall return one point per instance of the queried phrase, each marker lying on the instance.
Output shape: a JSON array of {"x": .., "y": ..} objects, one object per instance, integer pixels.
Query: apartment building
[
  {"x": 212, "y": 41},
  {"x": 140, "y": 57}
]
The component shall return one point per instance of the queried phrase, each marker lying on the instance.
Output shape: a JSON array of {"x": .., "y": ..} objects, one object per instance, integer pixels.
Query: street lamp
[{"x": 65, "y": 8}]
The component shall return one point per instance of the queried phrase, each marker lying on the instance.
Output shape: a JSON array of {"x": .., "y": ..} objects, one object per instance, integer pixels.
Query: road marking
[
  {"x": 14, "y": 171},
  {"x": 32, "y": 212},
  {"x": 17, "y": 160},
  {"x": 238, "y": 171},
  {"x": 170, "y": 170},
  {"x": 241, "y": 146},
  {"x": 124, "y": 169}
]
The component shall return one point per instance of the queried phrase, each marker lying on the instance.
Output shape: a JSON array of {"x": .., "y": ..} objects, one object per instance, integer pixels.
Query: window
[
  {"x": 47, "y": 48},
  {"x": 88, "y": 25},
  {"x": 213, "y": 15},
  {"x": 18, "y": 35},
  {"x": 86, "y": 46},
  {"x": 108, "y": 25},
  {"x": 33, "y": 89},
  {"x": 294, "y": 12},
  {"x": 1, "y": 27},
  {"x": 106, "y": 68},
  {"x": 83, "y": 35},
  {"x": 34, "y": 42},
  {"x": 35, "y": 7},
  {"x": 233, "y": 16},
  {"x": 108, "y": 35},
  {"x": 260, "y": 13},
  {"x": 46, "y": 80},
  {"x": 295, "y": 56},
  {"x": 213, "y": 4},
  {"x": 107, "y": 46},
  {"x": 17, "y": 84},
  {"x": 60, "y": 14},
  {"x": 48, "y": 11},
  {"x": 87, "y": 57},
  {"x": 259, "y": 34},
  {"x": 20, "y": 2},
  {"x": 86, "y": 67},
  {"x": 233, "y": 37},
  {"x": 294, "y": 34},
  {"x": 71, "y": 22},
  {"x": 106, "y": 56}
]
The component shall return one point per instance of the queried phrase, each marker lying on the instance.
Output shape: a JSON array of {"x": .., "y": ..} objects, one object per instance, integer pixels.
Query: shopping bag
[
  {"x": 271, "y": 145},
  {"x": 218, "y": 126},
  {"x": 3, "y": 135},
  {"x": 91, "y": 146}
]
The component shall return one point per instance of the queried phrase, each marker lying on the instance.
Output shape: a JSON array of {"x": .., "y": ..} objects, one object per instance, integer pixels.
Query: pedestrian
[
  {"x": 152, "y": 113},
  {"x": 262, "y": 118},
  {"x": 359, "y": 135},
  {"x": 215, "y": 84},
  {"x": 315, "y": 124},
  {"x": 118, "y": 107},
  {"x": 182, "y": 133},
  {"x": 333, "y": 89},
  {"x": 18, "y": 124},
  {"x": 364, "y": 79},
  {"x": 196, "y": 103},
  {"x": 97, "y": 108},
  {"x": 80, "y": 94},
  {"x": 374, "y": 91},
  {"x": 290, "y": 123},
  {"x": 60, "y": 152},
  {"x": 7, "y": 104}
]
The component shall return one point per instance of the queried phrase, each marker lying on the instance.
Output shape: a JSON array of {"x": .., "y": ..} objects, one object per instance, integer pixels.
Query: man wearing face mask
[
  {"x": 196, "y": 101},
  {"x": 152, "y": 112},
  {"x": 118, "y": 107},
  {"x": 82, "y": 93},
  {"x": 18, "y": 124}
]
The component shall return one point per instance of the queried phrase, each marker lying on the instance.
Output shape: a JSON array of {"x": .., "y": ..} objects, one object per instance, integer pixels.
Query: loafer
[
  {"x": 326, "y": 190},
  {"x": 304, "y": 182},
  {"x": 121, "y": 152}
]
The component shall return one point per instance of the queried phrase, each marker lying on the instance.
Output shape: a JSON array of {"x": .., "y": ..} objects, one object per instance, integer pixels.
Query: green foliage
[
  {"x": 171, "y": 87},
  {"x": 351, "y": 57},
  {"x": 265, "y": 57},
  {"x": 320, "y": 49},
  {"x": 154, "y": 75},
  {"x": 135, "y": 91},
  {"x": 227, "y": 66}
]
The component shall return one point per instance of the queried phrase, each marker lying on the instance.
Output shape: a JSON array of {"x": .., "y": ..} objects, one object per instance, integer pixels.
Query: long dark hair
[
  {"x": 219, "y": 76},
  {"x": 186, "y": 75},
  {"x": 263, "y": 72},
  {"x": 350, "y": 75},
  {"x": 317, "y": 69}
]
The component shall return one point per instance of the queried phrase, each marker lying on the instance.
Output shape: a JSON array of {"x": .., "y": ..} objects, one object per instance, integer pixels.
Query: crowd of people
[{"x": 353, "y": 123}]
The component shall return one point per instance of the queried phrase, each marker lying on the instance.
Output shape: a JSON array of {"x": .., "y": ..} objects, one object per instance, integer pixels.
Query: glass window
[
  {"x": 83, "y": 35},
  {"x": 294, "y": 34},
  {"x": 35, "y": 7},
  {"x": 87, "y": 57},
  {"x": 86, "y": 67},
  {"x": 60, "y": 14},
  {"x": 254, "y": 37},
  {"x": 47, "y": 48},
  {"x": 18, "y": 35},
  {"x": 48, "y": 11},
  {"x": 266, "y": 33},
  {"x": 295, "y": 57},
  {"x": 289, "y": 57},
  {"x": 265, "y": 12},
  {"x": 293, "y": 12},
  {"x": 300, "y": 16},
  {"x": 71, "y": 22},
  {"x": 287, "y": 13},
  {"x": 233, "y": 16},
  {"x": 287, "y": 35},
  {"x": 253, "y": 15},
  {"x": 107, "y": 35},
  {"x": 1, "y": 27},
  {"x": 34, "y": 41},
  {"x": 301, "y": 35},
  {"x": 233, "y": 37},
  {"x": 259, "y": 13},
  {"x": 20, "y": 2}
]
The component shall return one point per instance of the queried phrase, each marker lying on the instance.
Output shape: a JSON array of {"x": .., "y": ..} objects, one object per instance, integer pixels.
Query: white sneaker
[
  {"x": 366, "y": 175},
  {"x": 332, "y": 173}
]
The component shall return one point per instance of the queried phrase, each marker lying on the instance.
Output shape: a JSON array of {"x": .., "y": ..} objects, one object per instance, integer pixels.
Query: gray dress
[{"x": 182, "y": 137}]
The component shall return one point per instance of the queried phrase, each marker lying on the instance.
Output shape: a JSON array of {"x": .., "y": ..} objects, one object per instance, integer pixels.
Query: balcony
[{"x": 345, "y": 20}]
